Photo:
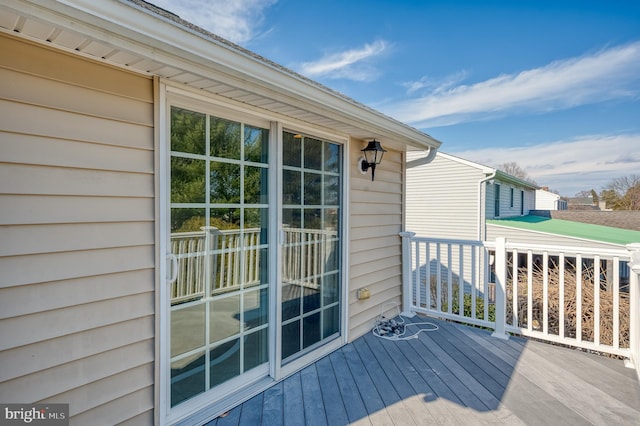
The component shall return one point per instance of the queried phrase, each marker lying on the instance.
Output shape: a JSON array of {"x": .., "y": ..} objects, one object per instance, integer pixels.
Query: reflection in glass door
[
  {"x": 311, "y": 210},
  {"x": 219, "y": 215}
]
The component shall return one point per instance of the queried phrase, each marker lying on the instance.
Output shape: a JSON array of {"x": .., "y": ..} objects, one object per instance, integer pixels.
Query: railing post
[
  {"x": 501, "y": 286},
  {"x": 407, "y": 281},
  {"x": 634, "y": 298}
]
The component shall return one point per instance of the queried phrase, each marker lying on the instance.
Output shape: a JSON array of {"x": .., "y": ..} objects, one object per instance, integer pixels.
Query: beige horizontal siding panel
[
  {"x": 38, "y": 268},
  {"x": 118, "y": 411},
  {"x": 63, "y": 378},
  {"x": 30, "y": 149},
  {"x": 380, "y": 231},
  {"x": 376, "y": 265},
  {"x": 35, "y": 120},
  {"x": 142, "y": 419},
  {"x": 25, "y": 209},
  {"x": 364, "y": 221},
  {"x": 29, "y": 299},
  {"x": 368, "y": 197},
  {"x": 73, "y": 347},
  {"x": 366, "y": 185},
  {"x": 44, "y": 92},
  {"x": 102, "y": 392},
  {"x": 373, "y": 276},
  {"x": 374, "y": 254},
  {"x": 28, "y": 329},
  {"x": 39, "y": 180},
  {"x": 35, "y": 59},
  {"x": 36, "y": 239},
  {"x": 374, "y": 209},
  {"x": 364, "y": 245}
]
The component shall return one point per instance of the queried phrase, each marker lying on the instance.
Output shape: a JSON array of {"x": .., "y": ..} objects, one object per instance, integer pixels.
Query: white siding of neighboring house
[
  {"x": 442, "y": 199},
  {"x": 506, "y": 210},
  {"x": 375, "y": 255},
  {"x": 546, "y": 200},
  {"x": 77, "y": 256},
  {"x": 443, "y": 202}
]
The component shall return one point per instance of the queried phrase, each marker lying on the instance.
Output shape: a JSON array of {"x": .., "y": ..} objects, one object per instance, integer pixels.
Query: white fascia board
[{"x": 125, "y": 26}]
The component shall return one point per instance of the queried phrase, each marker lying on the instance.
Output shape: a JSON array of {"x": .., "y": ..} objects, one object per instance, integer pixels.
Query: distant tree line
[{"x": 622, "y": 193}]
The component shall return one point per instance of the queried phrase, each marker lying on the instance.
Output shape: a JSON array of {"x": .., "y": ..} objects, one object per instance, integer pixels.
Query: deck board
[{"x": 457, "y": 375}]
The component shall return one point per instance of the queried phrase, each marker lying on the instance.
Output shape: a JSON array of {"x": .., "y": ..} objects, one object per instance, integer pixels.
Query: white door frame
[{"x": 200, "y": 407}]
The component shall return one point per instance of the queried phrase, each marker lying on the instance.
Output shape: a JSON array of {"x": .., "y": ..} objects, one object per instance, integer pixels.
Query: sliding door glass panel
[
  {"x": 219, "y": 234},
  {"x": 312, "y": 203}
]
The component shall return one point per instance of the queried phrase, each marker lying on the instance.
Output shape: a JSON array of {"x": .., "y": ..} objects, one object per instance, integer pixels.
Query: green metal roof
[{"x": 607, "y": 234}]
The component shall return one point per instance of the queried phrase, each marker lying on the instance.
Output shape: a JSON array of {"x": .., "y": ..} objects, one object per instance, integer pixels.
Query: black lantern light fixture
[{"x": 372, "y": 157}]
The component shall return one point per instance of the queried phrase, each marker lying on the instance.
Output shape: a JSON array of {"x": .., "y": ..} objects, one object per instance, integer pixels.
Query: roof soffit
[{"x": 129, "y": 36}]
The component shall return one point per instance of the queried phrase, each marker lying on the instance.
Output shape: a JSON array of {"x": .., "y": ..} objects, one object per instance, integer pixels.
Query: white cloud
[
  {"x": 436, "y": 86},
  {"x": 608, "y": 74},
  {"x": 235, "y": 20},
  {"x": 351, "y": 64},
  {"x": 587, "y": 162}
]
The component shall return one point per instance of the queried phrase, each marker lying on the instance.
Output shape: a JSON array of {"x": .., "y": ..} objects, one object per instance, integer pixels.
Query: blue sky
[{"x": 551, "y": 85}]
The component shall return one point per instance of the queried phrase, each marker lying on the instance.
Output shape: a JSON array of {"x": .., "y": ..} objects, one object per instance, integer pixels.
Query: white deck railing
[
  {"x": 571, "y": 295},
  {"x": 233, "y": 259}
]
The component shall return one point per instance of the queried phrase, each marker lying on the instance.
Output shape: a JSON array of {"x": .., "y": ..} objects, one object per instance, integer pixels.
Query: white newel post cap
[{"x": 634, "y": 250}]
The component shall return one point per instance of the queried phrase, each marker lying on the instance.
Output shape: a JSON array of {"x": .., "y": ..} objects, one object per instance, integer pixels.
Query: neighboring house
[
  {"x": 452, "y": 197},
  {"x": 546, "y": 200},
  {"x": 183, "y": 222}
]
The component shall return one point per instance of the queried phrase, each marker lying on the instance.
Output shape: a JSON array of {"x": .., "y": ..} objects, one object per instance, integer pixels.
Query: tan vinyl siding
[
  {"x": 442, "y": 199},
  {"x": 375, "y": 247},
  {"x": 77, "y": 215}
]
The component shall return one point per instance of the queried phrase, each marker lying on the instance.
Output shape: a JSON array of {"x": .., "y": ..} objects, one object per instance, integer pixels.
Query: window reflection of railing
[
  {"x": 234, "y": 259},
  {"x": 305, "y": 254},
  {"x": 220, "y": 251}
]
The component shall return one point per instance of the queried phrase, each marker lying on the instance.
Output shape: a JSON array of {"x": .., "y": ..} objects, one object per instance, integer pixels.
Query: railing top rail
[
  {"x": 448, "y": 241},
  {"x": 582, "y": 250},
  {"x": 537, "y": 248}
]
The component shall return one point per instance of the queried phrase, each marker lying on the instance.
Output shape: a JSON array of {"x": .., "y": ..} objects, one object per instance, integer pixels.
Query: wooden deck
[{"x": 456, "y": 375}]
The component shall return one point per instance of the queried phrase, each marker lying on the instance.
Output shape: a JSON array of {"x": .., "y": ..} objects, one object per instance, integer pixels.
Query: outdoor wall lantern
[{"x": 372, "y": 157}]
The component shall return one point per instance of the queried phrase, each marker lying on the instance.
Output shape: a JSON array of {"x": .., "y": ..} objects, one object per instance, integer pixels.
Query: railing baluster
[
  {"x": 474, "y": 272},
  {"x": 530, "y": 290},
  {"x": 438, "y": 279},
  {"x": 545, "y": 292},
  {"x": 427, "y": 268},
  {"x": 449, "y": 281},
  {"x": 418, "y": 284},
  {"x": 579, "y": 297},
  {"x": 461, "y": 280},
  {"x": 561, "y": 309},
  {"x": 514, "y": 289},
  {"x": 596, "y": 300},
  {"x": 616, "y": 302}
]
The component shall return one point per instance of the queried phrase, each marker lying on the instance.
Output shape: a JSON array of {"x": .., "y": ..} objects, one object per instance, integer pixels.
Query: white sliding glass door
[
  {"x": 311, "y": 267},
  {"x": 253, "y": 230},
  {"x": 219, "y": 235}
]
